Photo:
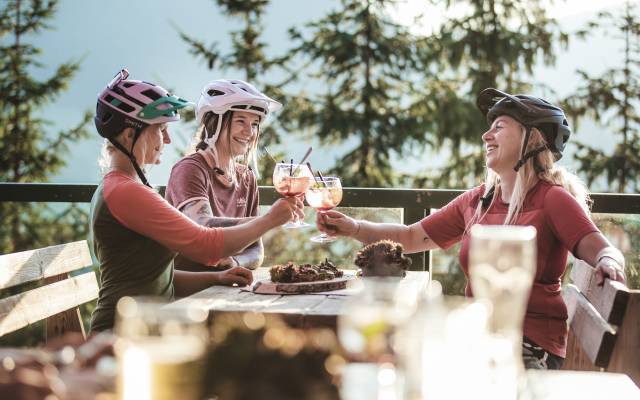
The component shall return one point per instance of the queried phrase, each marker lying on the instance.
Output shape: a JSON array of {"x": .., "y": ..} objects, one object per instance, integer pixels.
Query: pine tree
[
  {"x": 28, "y": 151},
  {"x": 367, "y": 67},
  {"x": 496, "y": 44},
  {"x": 612, "y": 100},
  {"x": 248, "y": 57}
]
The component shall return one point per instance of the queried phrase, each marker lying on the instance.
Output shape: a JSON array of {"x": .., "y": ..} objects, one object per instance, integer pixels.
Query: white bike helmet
[{"x": 224, "y": 95}]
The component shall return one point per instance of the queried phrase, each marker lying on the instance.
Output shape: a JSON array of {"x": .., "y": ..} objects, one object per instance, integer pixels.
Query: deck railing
[{"x": 415, "y": 203}]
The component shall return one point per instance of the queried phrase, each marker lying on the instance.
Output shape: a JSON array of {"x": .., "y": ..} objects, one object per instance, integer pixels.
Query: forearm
[
  {"x": 369, "y": 232},
  {"x": 594, "y": 246},
  {"x": 221, "y": 222},
  {"x": 412, "y": 237},
  {"x": 251, "y": 257},
  {"x": 187, "y": 283},
  {"x": 238, "y": 237}
]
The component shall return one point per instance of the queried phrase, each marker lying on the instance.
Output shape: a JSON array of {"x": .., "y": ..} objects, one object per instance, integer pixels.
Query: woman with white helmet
[
  {"x": 214, "y": 186},
  {"x": 136, "y": 234}
]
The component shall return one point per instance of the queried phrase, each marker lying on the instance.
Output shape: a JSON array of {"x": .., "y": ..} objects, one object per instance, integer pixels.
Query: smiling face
[
  {"x": 242, "y": 133},
  {"x": 503, "y": 142}
]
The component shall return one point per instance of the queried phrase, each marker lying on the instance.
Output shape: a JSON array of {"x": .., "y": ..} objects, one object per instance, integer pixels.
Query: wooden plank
[
  {"x": 577, "y": 359},
  {"x": 65, "y": 321},
  {"x": 26, "y": 308},
  {"x": 28, "y": 266},
  {"x": 595, "y": 335},
  {"x": 610, "y": 299},
  {"x": 582, "y": 275},
  {"x": 626, "y": 355}
]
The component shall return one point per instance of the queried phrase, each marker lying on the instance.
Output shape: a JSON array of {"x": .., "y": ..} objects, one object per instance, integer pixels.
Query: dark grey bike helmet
[{"x": 531, "y": 112}]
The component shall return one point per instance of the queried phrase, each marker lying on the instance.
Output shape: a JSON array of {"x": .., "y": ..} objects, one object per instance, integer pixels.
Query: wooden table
[{"x": 310, "y": 310}]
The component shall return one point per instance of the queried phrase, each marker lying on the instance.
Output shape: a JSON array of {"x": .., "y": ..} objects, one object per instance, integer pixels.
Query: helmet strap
[
  {"x": 525, "y": 156},
  {"x": 486, "y": 200},
  {"x": 132, "y": 158}
]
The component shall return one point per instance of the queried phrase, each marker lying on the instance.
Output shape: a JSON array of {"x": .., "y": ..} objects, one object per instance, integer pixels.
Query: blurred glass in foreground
[
  {"x": 161, "y": 350},
  {"x": 502, "y": 264}
]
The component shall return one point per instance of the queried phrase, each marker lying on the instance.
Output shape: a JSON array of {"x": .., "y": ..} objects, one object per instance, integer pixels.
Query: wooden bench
[
  {"x": 604, "y": 324},
  {"x": 58, "y": 299}
]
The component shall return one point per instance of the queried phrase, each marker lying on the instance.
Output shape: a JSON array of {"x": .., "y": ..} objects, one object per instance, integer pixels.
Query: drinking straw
[
  {"x": 291, "y": 168},
  {"x": 266, "y": 150},
  {"x": 306, "y": 155},
  {"x": 313, "y": 173},
  {"x": 322, "y": 179}
]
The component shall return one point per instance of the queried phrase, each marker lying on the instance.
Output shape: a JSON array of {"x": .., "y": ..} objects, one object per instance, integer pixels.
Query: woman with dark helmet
[
  {"x": 523, "y": 187},
  {"x": 136, "y": 234},
  {"x": 214, "y": 185}
]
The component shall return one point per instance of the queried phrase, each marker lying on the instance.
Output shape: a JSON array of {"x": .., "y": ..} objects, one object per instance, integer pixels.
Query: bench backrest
[
  {"x": 58, "y": 299},
  {"x": 604, "y": 324}
]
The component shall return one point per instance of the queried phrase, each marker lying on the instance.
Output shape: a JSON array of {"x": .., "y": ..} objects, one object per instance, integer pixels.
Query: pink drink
[
  {"x": 290, "y": 186},
  {"x": 324, "y": 199}
]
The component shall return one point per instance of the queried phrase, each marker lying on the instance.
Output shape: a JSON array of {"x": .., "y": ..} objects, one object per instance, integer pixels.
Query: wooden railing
[{"x": 415, "y": 203}]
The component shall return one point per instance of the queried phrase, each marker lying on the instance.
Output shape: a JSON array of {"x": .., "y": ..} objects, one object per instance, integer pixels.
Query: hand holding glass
[{"x": 324, "y": 194}]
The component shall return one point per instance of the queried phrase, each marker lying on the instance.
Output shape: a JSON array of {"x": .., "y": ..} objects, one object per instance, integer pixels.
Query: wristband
[
  {"x": 357, "y": 230},
  {"x": 613, "y": 254}
]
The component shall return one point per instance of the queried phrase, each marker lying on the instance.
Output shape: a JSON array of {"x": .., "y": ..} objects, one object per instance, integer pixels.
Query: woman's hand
[
  {"x": 607, "y": 267},
  {"x": 236, "y": 275},
  {"x": 286, "y": 209},
  {"x": 335, "y": 223}
]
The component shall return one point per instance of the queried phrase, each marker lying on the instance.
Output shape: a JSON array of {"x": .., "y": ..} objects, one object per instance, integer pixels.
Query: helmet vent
[
  {"x": 149, "y": 83},
  {"x": 152, "y": 94},
  {"x": 259, "y": 109},
  {"x": 214, "y": 92},
  {"x": 125, "y": 107},
  {"x": 128, "y": 84}
]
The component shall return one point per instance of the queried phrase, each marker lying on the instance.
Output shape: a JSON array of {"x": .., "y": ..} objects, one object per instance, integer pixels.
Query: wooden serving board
[{"x": 267, "y": 287}]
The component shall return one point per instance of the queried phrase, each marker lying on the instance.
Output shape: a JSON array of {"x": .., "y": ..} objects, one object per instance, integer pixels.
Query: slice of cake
[{"x": 292, "y": 273}]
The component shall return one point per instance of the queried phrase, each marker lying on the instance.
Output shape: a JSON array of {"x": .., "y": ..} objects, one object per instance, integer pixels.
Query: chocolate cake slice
[{"x": 292, "y": 273}]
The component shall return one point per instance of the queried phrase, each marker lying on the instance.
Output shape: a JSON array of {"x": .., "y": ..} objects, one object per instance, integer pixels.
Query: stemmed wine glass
[
  {"x": 324, "y": 194},
  {"x": 291, "y": 180}
]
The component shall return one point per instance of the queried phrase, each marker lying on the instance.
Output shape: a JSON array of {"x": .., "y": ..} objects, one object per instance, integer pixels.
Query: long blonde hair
[
  {"x": 210, "y": 122},
  {"x": 541, "y": 166}
]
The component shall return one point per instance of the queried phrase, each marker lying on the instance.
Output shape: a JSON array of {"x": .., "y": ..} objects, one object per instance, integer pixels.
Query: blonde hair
[
  {"x": 104, "y": 162},
  {"x": 541, "y": 166},
  {"x": 210, "y": 122}
]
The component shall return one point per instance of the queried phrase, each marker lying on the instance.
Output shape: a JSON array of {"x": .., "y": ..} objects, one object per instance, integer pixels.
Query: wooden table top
[{"x": 300, "y": 310}]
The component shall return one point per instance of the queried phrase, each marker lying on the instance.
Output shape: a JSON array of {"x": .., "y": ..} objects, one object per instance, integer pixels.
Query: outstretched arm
[
  {"x": 200, "y": 212},
  {"x": 412, "y": 237}
]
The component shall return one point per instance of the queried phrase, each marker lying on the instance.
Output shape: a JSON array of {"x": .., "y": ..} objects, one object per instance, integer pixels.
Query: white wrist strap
[{"x": 612, "y": 253}]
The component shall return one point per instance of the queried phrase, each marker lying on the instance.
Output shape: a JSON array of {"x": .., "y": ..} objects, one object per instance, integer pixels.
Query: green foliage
[
  {"x": 612, "y": 100},
  {"x": 495, "y": 44},
  {"x": 624, "y": 233},
  {"x": 248, "y": 56},
  {"x": 366, "y": 63},
  {"x": 29, "y": 152}
]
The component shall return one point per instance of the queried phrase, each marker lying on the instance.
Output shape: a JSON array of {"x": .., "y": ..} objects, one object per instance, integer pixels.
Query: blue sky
[{"x": 142, "y": 35}]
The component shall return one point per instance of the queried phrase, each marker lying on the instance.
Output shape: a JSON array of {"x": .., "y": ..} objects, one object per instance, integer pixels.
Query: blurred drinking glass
[
  {"x": 502, "y": 265},
  {"x": 161, "y": 350}
]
